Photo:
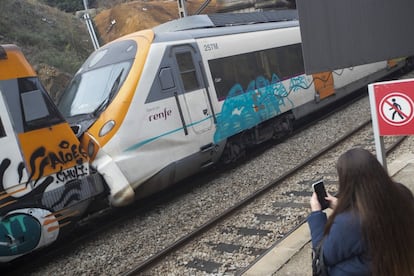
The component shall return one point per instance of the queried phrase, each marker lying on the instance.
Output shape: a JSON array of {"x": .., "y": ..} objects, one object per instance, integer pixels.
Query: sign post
[{"x": 392, "y": 111}]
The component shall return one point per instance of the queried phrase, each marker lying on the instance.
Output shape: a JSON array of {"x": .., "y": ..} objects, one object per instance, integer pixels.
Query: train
[
  {"x": 45, "y": 179},
  {"x": 156, "y": 106},
  {"x": 148, "y": 110}
]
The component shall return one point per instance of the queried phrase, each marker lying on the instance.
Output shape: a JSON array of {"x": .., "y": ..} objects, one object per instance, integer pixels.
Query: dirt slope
[{"x": 138, "y": 15}]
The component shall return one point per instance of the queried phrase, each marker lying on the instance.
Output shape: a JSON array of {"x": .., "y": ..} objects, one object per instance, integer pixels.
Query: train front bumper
[{"x": 121, "y": 192}]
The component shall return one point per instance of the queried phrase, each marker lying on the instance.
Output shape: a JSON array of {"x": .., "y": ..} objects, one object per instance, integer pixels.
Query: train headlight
[
  {"x": 107, "y": 127},
  {"x": 91, "y": 149}
]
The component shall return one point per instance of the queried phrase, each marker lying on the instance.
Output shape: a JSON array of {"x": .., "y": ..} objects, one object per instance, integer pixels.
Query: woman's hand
[
  {"x": 316, "y": 206},
  {"x": 314, "y": 203},
  {"x": 332, "y": 200}
]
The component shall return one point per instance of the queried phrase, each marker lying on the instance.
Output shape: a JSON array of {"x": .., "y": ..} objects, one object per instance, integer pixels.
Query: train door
[
  {"x": 196, "y": 99},
  {"x": 324, "y": 84}
]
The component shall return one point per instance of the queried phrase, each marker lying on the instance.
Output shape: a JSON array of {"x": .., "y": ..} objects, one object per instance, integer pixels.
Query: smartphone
[{"x": 320, "y": 191}]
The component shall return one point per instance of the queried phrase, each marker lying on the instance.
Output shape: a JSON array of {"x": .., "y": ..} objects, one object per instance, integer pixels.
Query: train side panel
[{"x": 255, "y": 76}]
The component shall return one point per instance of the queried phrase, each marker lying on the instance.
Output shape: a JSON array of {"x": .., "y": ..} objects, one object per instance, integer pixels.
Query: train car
[
  {"x": 45, "y": 179},
  {"x": 156, "y": 106}
]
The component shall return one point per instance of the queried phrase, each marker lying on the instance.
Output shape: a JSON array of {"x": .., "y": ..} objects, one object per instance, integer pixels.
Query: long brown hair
[{"x": 385, "y": 209}]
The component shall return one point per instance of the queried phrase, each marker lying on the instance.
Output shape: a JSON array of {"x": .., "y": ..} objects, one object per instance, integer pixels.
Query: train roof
[
  {"x": 205, "y": 25},
  {"x": 226, "y": 19}
]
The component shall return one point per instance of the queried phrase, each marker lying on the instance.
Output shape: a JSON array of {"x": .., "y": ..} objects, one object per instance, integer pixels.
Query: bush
[
  {"x": 45, "y": 34},
  {"x": 69, "y": 5}
]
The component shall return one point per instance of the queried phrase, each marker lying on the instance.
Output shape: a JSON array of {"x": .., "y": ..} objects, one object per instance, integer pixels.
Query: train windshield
[
  {"x": 99, "y": 80},
  {"x": 91, "y": 91}
]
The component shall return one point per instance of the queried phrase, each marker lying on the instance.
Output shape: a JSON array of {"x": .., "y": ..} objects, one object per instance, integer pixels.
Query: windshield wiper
[{"x": 112, "y": 93}]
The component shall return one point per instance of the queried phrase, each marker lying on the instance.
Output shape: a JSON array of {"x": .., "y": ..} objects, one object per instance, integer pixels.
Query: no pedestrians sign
[{"x": 392, "y": 103}]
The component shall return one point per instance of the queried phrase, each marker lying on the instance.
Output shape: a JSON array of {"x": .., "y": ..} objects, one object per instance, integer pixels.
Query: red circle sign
[
  {"x": 394, "y": 105},
  {"x": 396, "y": 109}
]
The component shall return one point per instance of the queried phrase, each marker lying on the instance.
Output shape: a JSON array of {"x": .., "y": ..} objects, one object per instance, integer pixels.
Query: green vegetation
[
  {"x": 69, "y": 5},
  {"x": 45, "y": 34}
]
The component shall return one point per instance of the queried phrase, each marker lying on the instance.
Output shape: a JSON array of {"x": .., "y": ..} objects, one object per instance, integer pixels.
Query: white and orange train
[{"x": 154, "y": 107}]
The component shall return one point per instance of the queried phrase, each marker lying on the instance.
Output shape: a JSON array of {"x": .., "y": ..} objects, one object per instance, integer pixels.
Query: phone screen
[{"x": 320, "y": 191}]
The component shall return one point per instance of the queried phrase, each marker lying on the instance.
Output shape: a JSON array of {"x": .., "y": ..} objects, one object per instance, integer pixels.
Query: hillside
[
  {"x": 54, "y": 42},
  {"x": 138, "y": 15},
  {"x": 45, "y": 34},
  {"x": 57, "y": 43}
]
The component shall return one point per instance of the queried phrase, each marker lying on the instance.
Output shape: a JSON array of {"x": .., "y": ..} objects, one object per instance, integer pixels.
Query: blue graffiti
[
  {"x": 262, "y": 100},
  {"x": 298, "y": 83},
  {"x": 280, "y": 91},
  {"x": 19, "y": 233},
  {"x": 245, "y": 108}
]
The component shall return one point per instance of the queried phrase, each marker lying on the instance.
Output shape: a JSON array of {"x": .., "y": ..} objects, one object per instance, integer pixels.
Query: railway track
[{"x": 267, "y": 216}]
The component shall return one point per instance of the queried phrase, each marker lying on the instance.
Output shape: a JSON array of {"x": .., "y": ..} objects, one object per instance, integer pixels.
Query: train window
[
  {"x": 2, "y": 131},
  {"x": 187, "y": 71},
  {"x": 244, "y": 69},
  {"x": 34, "y": 106},
  {"x": 229, "y": 71},
  {"x": 37, "y": 107},
  {"x": 287, "y": 61},
  {"x": 166, "y": 78}
]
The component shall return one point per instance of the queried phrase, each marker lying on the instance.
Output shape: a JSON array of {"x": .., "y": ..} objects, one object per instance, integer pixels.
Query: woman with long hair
[{"x": 371, "y": 228}]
